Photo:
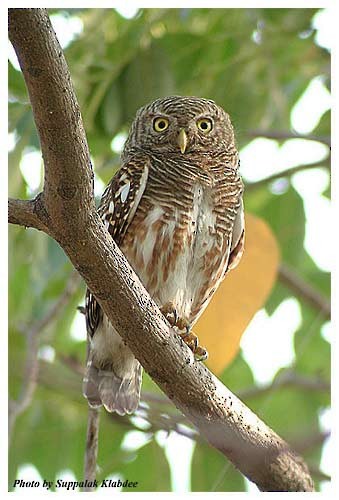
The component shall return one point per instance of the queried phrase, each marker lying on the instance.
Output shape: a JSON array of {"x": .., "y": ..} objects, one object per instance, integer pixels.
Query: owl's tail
[{"x": 102, "y": 387}]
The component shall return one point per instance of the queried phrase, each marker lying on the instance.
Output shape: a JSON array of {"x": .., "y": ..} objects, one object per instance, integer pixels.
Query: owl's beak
[{"x": 182, "y": 140}]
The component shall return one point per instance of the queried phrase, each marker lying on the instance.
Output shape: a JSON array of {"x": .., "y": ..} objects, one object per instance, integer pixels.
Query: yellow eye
[
  {"x": 205, "y": 125},
  {"x": 160, "y": 124}
]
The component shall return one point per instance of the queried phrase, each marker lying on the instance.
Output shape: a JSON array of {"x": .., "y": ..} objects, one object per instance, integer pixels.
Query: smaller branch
[
  {"x": 91, "y": 448},
  {"x": 288, "y": 173},
  {"x": 32, "y": 363},
  {"x": 318, "y": 474},
  {"x": 308, "y": 443},
  {"x": 73, "y": 364},
  {"x": 26, "y": 213},
  {"x": 286, "y": 379},
  {"x": 284, "y": 135},
  {"x": 158, "y": 417},
  {"x": 160, "y": 403},
  {"x": 153, "y": 398},
  {"x": 30, "y": 379},
  {"x": 158, "y": 421},
  {"x": 304, "y": 290}
]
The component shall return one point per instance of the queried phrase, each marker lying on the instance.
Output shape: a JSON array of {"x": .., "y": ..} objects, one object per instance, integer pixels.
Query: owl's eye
[
  {"x": 205, "y": 125},
  {"x": 160, "y": 124}
]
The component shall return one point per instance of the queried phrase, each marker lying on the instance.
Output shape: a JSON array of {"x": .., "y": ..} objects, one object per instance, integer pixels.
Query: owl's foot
[
  {"x": 200, "y": 353},
  {"x": 170, "y": 313},
  {"x": 190, "y": 339},
  {"x": 184, "y": 327}
]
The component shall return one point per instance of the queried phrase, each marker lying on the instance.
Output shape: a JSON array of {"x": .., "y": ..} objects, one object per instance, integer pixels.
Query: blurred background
[{"x": 269, "y": 68}]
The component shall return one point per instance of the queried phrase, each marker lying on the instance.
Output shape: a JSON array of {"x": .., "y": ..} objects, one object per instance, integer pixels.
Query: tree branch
[
  {"x": 26, "y": 213},
  {"x": 91, "y": 448},
  {"x": 156, "y": 404},
  {"x": 32, "y": 363},
  {"x": 226, "y": 423},
  {"x": 304, "y": 290},
  {"x": 157, "y": 413},
  {"x": 282, "y": 135},
  {"x": 288, "y": 173},
  {"x": 288, "y": 378}
]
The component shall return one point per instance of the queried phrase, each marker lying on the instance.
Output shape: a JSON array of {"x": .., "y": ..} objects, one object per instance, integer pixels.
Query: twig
[
  {"x": 158, "y": 421},
  {"x": 73, "y": 363},
  {"x": 159, "y": 417},
  {"x": 286, "y": 379},
  {"x": 287, "y": 173},
  {"x": 283, "y": 135},
  {"x": 317, "y": 473},
  {"x": 306, "y": 443},
  {"x": 91, "y": 448},
  {"x": 304, "y": 290},
  {"x": 32, "y": 363}
]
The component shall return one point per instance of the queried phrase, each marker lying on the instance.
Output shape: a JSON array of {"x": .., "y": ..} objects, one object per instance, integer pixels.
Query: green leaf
[
  {"x": 148, "y": 466},
  {"x": 57, "y": 423},
  {"x": 324, "y": 125},
  {"x": 149, "y": 69},
  {"x": 17, "y": 87},
  {"x": 313, "y": 352},
  {"x": 51, "y": 444},
  {"x": 211, "y": 471},
  {"x": 237, "y": 375}
]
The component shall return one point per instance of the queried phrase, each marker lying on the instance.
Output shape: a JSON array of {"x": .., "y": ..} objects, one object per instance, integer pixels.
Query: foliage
[{"x": 256, "y": 63}]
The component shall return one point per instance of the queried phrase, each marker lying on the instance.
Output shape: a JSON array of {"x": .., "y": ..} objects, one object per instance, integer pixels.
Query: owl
[{"x": 175, "y": 210}]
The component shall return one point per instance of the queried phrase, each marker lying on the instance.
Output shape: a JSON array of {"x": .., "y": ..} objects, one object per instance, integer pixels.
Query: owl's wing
[
  {"x": 238, "y": 239},
  {"x": 118, "y": 205}
]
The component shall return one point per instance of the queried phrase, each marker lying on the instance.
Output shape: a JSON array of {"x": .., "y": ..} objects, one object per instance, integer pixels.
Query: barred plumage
[{"x": 175, "y": 209}]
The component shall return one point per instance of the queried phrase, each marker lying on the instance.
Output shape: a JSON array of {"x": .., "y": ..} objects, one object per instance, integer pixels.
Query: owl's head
[{"x": 181, "y": 125}]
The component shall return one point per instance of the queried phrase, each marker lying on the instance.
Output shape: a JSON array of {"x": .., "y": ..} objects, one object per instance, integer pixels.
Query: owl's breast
[{"x": 178, "y": 248}]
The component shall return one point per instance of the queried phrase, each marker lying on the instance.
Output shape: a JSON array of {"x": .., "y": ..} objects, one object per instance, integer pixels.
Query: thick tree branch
[{"x": 70, "y": 215}]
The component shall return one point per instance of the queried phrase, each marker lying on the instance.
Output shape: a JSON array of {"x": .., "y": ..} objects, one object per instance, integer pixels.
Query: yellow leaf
[{"x": 242, "y": 293}]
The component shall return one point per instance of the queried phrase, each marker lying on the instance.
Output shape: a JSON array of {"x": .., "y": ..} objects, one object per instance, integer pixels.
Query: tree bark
[{"x": 66, "y": 211}]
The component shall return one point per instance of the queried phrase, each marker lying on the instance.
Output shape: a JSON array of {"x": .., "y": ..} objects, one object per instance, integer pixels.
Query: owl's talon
[
  {"x": 184, "y": 327},
  {"x": 200, "y": 354},
  {"x": 170, "y": 313},
  {"x": 186, "y": 333},
  {"x": 183, "y": 324},
  {"x": 190, "y": 339},
  {"x": 195, "y": 343}
]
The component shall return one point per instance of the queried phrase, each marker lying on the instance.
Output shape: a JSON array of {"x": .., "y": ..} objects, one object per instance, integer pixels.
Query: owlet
[{"x": 175, "y": 210}]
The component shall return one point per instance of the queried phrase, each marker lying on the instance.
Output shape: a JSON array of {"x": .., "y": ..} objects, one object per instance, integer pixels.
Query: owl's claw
[
  {"x": 200, "y": 354},
  {"x": 184, "y": 327},
  {"x": 190, "y": 339},
  {"x": 170, "y": 313}
]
